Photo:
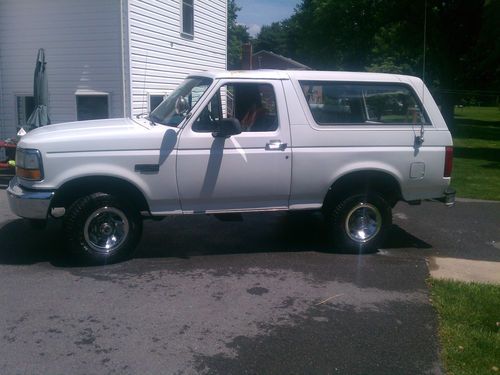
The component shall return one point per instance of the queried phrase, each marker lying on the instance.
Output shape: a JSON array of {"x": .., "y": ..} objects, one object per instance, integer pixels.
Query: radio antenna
[
  {"x": 425, "y": 48},
  {"x": 420, "y": 139}
]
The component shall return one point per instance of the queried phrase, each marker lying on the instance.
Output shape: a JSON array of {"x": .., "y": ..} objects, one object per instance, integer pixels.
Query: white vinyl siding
[
  {"x": 160, "y": 57},
  {"x": 103, "y": 46},
  {"x": 82, "y": 42}
]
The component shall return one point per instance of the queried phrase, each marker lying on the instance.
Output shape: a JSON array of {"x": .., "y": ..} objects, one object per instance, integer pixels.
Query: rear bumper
[
  {"x": 448, "y": 198},
  {"x": 29, "y": 204}
]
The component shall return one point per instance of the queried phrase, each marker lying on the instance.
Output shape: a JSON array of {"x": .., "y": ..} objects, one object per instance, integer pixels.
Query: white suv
[{"x": 349, "y": 144}]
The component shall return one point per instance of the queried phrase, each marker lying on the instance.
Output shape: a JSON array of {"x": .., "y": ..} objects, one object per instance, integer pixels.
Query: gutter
[
  {"x": 125, "y": 47},
  {"x": 1, "y": 104},
  {"x": 124, "y": 100},
  {"x": 129, "y": 56}
]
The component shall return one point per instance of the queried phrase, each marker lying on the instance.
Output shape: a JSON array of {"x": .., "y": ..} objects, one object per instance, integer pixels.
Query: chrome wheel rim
[
  {"x": 363, "y": 222},
  {"x": 106, "y": 229}
]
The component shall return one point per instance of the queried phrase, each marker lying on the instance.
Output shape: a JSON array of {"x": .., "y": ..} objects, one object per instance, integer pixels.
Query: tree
[
  {"x": 462, "y": 40},
  {"x": 483, "y": 61},
  {"x": 333, "y": 34},
  {"x": 462, "y": 49},
  {"x": 453, "y": 32},
  {"x": 236, "y": 36},
  {"x": 397, "y": 44},
  {"x": 272, "y": 38}
]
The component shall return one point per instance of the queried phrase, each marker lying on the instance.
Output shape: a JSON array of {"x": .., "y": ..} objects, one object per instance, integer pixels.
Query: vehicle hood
[{"x": 96, "y": 135}]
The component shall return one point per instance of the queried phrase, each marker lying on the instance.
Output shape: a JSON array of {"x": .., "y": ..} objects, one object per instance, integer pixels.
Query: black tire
[
  {"x": 102, "y": 229},
  {"x": 37, "y": 224},
  {"x": 359, "y": 222}
]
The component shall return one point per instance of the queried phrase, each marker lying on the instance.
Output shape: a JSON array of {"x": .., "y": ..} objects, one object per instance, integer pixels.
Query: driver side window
[
  {"x": 206, "y": 121},
  {"x": 252, "y": 104}
]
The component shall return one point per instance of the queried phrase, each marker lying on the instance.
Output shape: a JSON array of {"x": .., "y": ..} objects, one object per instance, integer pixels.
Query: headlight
[{"x": 29, "y": 164}]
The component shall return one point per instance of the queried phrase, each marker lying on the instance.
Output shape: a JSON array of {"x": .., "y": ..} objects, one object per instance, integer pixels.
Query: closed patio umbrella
[{"x": 40, "y": 115}]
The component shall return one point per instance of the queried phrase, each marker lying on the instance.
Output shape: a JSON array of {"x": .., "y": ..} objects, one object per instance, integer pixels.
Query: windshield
[{"x": 178, "y": 104}]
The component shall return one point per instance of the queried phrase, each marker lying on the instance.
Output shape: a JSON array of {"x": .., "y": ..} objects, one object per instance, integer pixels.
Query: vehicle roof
[{"x": 310, "y": 75}]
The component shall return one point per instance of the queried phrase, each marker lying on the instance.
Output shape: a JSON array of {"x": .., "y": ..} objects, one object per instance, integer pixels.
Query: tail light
[{"x": 448, "y": 161}]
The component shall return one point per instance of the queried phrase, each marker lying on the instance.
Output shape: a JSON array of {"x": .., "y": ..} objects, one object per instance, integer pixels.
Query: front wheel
[
  {"x": 102, "y": 229},
  {"x": 359, "y": 222}
]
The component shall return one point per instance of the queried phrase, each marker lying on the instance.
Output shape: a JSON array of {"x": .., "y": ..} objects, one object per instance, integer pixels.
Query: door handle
[{"x": 276, "y": 145}]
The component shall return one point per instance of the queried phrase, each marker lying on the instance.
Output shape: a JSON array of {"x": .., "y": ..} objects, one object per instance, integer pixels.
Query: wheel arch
[
  {"x": 377, "y": 180},
  {"x": 76, "y": 188}
]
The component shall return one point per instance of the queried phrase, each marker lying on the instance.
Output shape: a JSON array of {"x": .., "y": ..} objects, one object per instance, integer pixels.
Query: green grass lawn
[
  {"x": 469, "y": 326},
  {"x": 476, "y": 169}
]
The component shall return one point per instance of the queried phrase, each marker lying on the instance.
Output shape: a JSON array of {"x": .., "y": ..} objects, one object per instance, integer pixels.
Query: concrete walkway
[
  {"x": 460, "y": 243},
  {"x": 465, "y": 270}
]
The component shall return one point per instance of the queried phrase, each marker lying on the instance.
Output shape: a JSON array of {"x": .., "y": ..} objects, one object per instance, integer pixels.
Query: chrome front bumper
[{"x": 29, "y": 204}]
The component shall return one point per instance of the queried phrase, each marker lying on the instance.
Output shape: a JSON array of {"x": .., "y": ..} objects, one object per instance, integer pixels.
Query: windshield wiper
[
  {"x": 148, "y": 117},
  {"x": 153, "y": 119}
]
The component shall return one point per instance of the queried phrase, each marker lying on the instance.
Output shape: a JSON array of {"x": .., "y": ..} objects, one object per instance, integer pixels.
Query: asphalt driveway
[{"x": 254, "y": 297}]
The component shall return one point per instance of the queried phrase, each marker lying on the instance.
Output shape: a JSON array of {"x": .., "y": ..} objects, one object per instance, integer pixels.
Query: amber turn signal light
[{"x": 29, "y": 174}]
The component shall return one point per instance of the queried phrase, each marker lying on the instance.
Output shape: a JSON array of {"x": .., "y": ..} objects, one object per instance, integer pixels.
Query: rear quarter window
[{"x": 344, "y": 103}]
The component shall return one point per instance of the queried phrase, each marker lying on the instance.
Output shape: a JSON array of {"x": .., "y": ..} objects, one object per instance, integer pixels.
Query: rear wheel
[
  {"x": 102, "y": 229},
  {"x": 358, "y": 222}
]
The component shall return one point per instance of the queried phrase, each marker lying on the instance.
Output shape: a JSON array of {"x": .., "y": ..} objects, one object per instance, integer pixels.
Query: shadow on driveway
[{"x": 183, "y": 237}]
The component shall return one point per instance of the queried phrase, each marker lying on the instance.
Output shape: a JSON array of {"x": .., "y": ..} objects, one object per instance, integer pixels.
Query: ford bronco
[{"x": 349, "y": 144}]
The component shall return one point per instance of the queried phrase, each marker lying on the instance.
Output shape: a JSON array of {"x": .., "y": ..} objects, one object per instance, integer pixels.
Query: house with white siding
[{"x": 105, "y": 58}]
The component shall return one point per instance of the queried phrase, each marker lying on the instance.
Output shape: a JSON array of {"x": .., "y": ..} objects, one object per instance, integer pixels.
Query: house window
[
  {"x": 154, "y": 101},
  {"x": 92, "y": 107},
  {"x": 188, "y": 17},
  {"x": 25, "y": 107}
]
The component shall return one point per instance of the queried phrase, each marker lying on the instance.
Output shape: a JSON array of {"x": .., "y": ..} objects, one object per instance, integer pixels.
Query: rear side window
[{"x": 333, "y": 103}]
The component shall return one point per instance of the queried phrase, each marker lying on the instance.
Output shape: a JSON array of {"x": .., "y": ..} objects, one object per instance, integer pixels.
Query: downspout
[
  {"x": 124, "y": 79},
  {"x": 129, "y": 57},
  {"x": 226, "y": 29},
  {"x": 2, "y": 110}
]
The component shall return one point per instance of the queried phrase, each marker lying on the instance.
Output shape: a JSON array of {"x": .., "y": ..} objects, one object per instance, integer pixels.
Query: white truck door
[{"x": 247, "y": 171}]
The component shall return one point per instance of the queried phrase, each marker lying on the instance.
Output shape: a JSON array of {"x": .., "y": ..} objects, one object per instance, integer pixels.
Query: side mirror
[
  {"x": 181, "y": 105},
  {"x": 226, "y": 128}
]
